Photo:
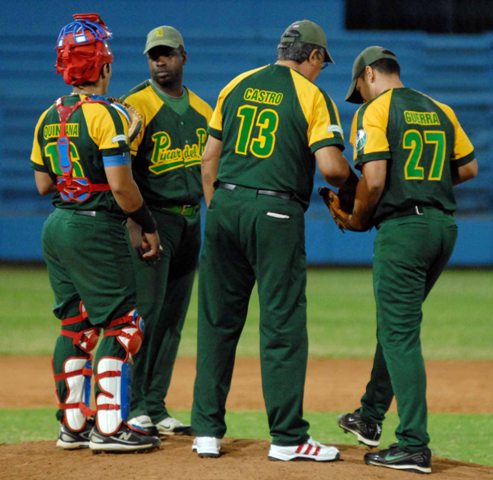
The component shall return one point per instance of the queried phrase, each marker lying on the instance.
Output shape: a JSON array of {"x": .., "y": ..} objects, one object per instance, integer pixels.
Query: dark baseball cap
[
  {"x": 306, "y": 31},
  {"x": 165, "y": 36},
  {"x": 368, "y": 56}
]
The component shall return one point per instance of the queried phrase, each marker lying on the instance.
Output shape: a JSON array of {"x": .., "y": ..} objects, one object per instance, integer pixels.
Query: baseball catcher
[{"x": 81, "y": 156}]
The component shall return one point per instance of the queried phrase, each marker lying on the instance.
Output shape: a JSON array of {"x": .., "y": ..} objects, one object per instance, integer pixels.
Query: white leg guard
[
  {"x": 109, "y": 399},
  {"x": 77, "y": 375}
]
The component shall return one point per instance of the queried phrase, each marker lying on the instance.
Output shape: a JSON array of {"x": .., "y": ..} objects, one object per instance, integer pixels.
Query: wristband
[
  {"x": 144, "y": 218},
  {"x": 351, "y": 180}
]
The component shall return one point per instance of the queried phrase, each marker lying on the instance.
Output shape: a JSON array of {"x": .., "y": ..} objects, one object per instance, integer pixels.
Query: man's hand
[{"x": 147, "y": 245}]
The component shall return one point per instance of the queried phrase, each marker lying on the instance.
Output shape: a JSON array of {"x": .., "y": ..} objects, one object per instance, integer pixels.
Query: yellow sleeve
[
  {"x": 102, "y": 129},
  {"x": 462, "y": 145},
  {"x": 216, "y": 122},
  {"x": 147, "y": 103},
  {"x": 325, "y": 122},
  {"x": 320, "y": 112},
  {"x": 36, "y": 154},
  {"x": 369, "y": 130}
]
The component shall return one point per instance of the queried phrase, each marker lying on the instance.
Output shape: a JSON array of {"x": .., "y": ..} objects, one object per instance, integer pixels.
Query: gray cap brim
[
  {"x": 352, "y": 95},
  {"x": 327, "y": 57}
]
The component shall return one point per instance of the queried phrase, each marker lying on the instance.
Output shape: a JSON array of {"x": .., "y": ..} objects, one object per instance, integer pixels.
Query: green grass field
[{"x": 457, "y": 325}]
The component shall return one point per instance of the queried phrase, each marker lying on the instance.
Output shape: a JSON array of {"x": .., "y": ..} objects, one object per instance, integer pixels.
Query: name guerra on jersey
[
  {"x": 263, "y": 96},
  {"x": 421, "y": 118}
]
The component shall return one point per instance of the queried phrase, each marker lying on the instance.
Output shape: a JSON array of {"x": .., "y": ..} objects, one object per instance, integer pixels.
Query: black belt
[
  {"x": 260, "y": 191},
  {"x": 407, "y": 212},
  {"x": 414, "y": 210}
]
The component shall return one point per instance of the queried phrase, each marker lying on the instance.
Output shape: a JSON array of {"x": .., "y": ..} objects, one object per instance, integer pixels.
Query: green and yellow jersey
[
  {"x": 95, "y": 131},
  {"x": 167, "y": 153},
  {"x": 422, "y": 141},
  {"x": 271, "y": 121}
]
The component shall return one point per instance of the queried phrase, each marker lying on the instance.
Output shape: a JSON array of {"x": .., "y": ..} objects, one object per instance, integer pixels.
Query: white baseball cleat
[
  {"x": 207, "y": 447},
  {"x": 173, "y": 426},
  {"x": 310, "y": 450}
]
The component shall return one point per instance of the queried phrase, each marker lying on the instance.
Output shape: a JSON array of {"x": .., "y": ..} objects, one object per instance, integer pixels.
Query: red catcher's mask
[{"x": 82, "y": 49}]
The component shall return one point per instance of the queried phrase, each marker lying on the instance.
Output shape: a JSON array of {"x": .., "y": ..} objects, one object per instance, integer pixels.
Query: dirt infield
[{"x": 332, "y": 385}]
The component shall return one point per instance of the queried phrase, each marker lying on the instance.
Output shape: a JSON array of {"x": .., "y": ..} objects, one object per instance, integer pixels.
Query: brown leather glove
[
  {"x": 135, "y": 123},
  {"x": 331, "y": 199}
]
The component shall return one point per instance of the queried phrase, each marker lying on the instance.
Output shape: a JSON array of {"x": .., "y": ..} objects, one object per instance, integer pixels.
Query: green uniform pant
[
  {"x": 252, "y": 237},
  {"x": 410, "y": 253},
  {"x": 87, "y": 259},
  {"x": 163, "y": 296}
]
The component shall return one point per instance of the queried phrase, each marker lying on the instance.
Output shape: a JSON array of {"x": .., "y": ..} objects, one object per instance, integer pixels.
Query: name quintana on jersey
[{"x": 52, "y": 130}]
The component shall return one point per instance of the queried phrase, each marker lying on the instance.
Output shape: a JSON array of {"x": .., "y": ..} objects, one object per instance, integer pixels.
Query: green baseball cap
[
  {"x": 306, "y": 31},
  {"x": 368, "y": 56},
  {"x": 165, "y": 36}
]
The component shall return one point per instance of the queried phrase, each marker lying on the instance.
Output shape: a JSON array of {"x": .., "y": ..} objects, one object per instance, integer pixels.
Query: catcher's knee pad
[
  {"x": 112, "y": 393},
  {"x": 131, "y": 331},
  {"x": 74, "y": 396},
  {"x": 82, "y": 333}
]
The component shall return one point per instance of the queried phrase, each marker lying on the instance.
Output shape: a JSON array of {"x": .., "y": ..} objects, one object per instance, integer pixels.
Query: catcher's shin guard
[
  {"x": 109, "y": 397},
  {"x": 113, "y": 372},
  {"x": 76, "y": 374},
  {"x": 72, "y": 369}
]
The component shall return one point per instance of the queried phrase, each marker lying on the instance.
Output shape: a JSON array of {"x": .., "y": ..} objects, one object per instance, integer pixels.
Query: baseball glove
[
  {"x": 133, "y": 115},
  {"x": 340, "y": 216}
]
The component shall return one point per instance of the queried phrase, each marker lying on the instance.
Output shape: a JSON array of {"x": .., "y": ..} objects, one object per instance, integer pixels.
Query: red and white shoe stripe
[{"x": 308, "y": 448}]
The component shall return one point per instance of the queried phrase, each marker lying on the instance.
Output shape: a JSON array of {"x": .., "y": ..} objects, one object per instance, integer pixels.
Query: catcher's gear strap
[
  {"x": 130, "y": 336},
  {"x": 111, "y": 383},
  {"x": 77, "y": 373},
  {"x": 73, "y": 189},
  {"x": 84, "y": 338}
]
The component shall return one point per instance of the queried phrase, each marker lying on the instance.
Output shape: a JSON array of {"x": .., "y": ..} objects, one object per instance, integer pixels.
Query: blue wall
[{"x": 224, "y": 38}]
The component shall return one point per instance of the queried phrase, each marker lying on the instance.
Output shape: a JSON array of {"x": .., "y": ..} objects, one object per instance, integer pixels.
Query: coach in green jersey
[
  {"x": 166, "y": 160},
  {"x": 412, "y": 151},
  {"x": 269, "y": 128}
]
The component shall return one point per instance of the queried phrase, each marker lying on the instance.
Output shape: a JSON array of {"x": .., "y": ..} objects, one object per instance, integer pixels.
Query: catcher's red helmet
[{"x": 82, "y": 49}]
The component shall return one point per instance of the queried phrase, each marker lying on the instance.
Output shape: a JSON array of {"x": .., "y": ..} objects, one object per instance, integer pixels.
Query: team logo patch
[
  {"x": 335, "y": 129},
  {"x": 119, "y": 138},
  {"x": 361, "y": 139}
]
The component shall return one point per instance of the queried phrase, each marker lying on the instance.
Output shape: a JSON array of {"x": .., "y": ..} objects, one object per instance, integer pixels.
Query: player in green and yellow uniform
[
  {"x": 412, "y": 151},
  {"x": 80, "y": 154},
  {"x": 166, "y": 164},
  {"x": 267, "y": 131}
]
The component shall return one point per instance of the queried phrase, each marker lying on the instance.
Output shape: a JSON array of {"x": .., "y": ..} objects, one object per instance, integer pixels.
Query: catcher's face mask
[{"x": 82, "y": 49}]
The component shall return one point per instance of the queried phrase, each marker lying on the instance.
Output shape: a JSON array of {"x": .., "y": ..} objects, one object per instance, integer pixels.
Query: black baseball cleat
[
  {"x": 70, "y": 440},
  {"x": 395, "y": 457},
  {"x": 125, "y": 440},
  {"x": 366, "y": 432}
]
